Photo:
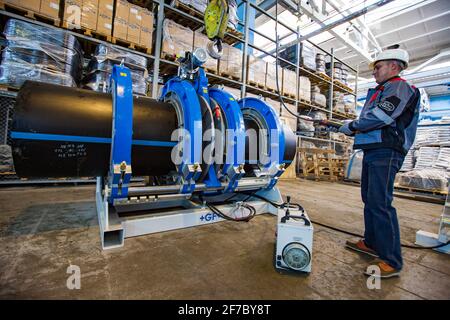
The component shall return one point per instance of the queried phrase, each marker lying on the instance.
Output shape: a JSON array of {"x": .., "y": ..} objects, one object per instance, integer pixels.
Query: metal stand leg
[
  {"x": 428, "y": 239},
  {"x": 111, "y": 230}
]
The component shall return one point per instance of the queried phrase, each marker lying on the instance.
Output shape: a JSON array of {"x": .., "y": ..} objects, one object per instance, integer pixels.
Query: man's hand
[{"x": 345, "y": 129}]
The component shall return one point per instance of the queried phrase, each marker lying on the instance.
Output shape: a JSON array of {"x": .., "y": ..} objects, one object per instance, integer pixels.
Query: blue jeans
[{"x": 382, "y": 232}]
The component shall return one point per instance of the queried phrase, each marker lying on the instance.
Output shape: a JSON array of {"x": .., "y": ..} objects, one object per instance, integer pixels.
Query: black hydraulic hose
[
  {"x": 214, "y": 209},
  {"x": 276, "y": 71},
  {"x": 331, "y": 123},
  {"x": 283, "y": 205}
]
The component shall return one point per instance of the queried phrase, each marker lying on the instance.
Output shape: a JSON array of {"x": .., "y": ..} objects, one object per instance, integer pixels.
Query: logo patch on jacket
[{"x": 389, "y": 104}]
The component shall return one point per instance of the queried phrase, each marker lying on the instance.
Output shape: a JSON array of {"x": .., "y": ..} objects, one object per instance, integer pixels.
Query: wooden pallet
[
  {"x": 342, "y": 86},
  {"x": 169, "y": 57},
  {"x": 256, "y": 84},
  {"x": 418, "y": 190},
  {"x": 229, "y": 76},
  {"x": 131, "y": 45},
  {"x": 322, "y": 75},
  {"x": 87, "y": 32},
  {"x": 320, "y": 164},
  {"x": 188, "y": 9},
  {"x": 300, "y": 100},
  {"x": 183, "y": 20},
  {"x": 213, "y": 71},
  {"x": 270, "y": 89},
  {"x": 13, "y": 8},
  {"x": 289, "y": 95},
  {"x": 142, "y": 3},
  {"x": 230, "y": 36}
]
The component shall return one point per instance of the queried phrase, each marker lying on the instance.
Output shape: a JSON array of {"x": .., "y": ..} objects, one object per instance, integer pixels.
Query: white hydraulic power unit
[{"x": 294, "y": 240}]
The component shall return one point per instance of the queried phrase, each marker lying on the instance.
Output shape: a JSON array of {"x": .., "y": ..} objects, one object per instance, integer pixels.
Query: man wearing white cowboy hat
[{"x": 385, "y": 130}]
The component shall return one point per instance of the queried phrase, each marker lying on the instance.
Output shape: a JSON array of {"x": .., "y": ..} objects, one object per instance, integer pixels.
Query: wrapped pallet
[
  {"x": 201, "y": 41},
  {"x": 319, "y": 99},
  {"x": 176, "y": 39},
  {"x": 308, "y": 55},
  {"x": 271, "y": 82},
  {"x": 424, "y": 179},
  {"x": 231, "y": 62},
  {"x": 305, "y": 89},
  {"x": 353, "y": 170},
  {"x": 41, "y": 54},
  {"x": 306, "y": 126},
  {"x": 289, "y": 83},
  {"x": 101, "y": 64},
  {"x": 349, "y": 104},
  {"x": 256, "y": 71},
  {"x": 199, "y": 5}
]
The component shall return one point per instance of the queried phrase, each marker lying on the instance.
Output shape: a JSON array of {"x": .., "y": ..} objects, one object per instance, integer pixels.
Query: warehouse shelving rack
[{"x": 159, "y": 66}]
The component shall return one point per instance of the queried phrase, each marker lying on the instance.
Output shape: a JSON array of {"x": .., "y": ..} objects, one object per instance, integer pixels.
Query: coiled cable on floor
[{"x": 296, "y": 205}]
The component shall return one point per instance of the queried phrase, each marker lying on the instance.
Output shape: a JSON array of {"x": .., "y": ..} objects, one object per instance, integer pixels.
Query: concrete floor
[{"x": 44, "y": 230}]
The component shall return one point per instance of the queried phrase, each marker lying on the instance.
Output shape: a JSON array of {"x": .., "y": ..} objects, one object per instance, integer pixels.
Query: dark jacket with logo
[{"x": 389, "y": 117}]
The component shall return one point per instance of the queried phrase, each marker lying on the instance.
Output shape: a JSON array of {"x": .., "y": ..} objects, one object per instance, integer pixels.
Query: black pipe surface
[{"x": 63, "y": 132}]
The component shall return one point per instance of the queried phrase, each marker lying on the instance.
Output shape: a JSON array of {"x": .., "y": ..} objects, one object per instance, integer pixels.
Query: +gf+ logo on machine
[{"x": 209, "y": 217}]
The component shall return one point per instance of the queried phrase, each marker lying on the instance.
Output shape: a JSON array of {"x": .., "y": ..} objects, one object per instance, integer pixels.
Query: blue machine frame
[
  {"x": 190, "y": 119},
  {"x": 122, "y": 133}
]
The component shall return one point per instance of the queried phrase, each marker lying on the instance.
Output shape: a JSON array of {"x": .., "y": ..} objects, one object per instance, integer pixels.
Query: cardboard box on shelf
[
  {"x": 305, "y": 89},
  {"x": 120, "y": 28},
  {"x": 256, "y": 70},
  {"x": 145, "y": 38},
  {"x": 50, "y": 8},
  {"x": 89, "y": 13},
  {"x": 120, "y": 22},
  {"x": 33, "y": 5},
  {"x": 134, "y": 24},
  {"x": 177, "y": 39},
  {"x": 231, "y": 62},
  {"x": 234, "y": 66},
  {"x": 223, "y": 61},
  {"x": 104, "y": 24},
  {"x": 122, "y": 10},
  {"x": 271, "y": 76},
  {"x": 289, "y": 82},
  {"x": 71, "y": 9},
  {"x": 106, "y": 7},
  {"x": 105, "y": 17},
  {"x": 13, "y": 2},
  {"x": 201, "y": 41}
]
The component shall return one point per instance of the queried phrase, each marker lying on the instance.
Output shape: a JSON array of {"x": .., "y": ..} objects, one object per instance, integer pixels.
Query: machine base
[{"x": 164, "y": 215}]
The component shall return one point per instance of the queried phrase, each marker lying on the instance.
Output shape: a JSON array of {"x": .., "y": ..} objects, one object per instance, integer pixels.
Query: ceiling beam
[
  {"x": 413, "y": 24},
  {"x": 338, "y": 3},
  {"x": 402, "y": 11},
  {"x": 404, "y": 40},
  {"x": 319, "y": 18}
]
